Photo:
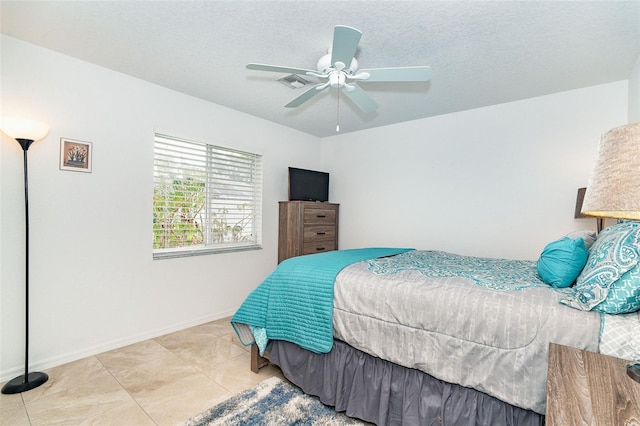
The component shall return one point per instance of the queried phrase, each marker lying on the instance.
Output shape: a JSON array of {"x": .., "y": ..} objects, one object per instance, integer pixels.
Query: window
[{"x": 206, "y": 198}]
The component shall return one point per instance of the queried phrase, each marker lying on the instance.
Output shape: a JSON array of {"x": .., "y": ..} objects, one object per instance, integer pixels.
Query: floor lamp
[{"x": 25, "y": 132}]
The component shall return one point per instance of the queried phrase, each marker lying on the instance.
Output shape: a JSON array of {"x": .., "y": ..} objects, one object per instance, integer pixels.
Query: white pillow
[{"x": 589, "y": 237}]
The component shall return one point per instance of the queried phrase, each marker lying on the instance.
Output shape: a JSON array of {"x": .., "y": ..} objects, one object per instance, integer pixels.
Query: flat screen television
[{"x": 308, "y": 185}]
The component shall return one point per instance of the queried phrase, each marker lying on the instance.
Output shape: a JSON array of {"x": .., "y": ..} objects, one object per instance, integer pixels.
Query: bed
[{"x": 403, "y": 336}]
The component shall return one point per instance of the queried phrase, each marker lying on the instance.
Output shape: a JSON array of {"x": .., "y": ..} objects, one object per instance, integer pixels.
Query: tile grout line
[
  {"x": 202, "y": 371},
  {"x": 128, "y": 393}
]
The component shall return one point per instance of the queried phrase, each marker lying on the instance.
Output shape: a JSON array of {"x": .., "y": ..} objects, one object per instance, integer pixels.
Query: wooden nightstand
[{"x": 586, "y": 388}]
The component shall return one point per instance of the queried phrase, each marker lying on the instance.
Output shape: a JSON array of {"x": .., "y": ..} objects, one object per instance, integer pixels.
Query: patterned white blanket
[
  {"x": 460, "y": 322},
  {"x": 621, "y": 336}
]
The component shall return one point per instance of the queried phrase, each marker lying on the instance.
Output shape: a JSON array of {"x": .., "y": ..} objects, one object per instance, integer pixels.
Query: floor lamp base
[{"x": 19, "y": 384}]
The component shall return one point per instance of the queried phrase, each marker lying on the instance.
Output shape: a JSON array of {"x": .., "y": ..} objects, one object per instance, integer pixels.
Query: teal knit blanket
[{"x": 295, "y": 302}]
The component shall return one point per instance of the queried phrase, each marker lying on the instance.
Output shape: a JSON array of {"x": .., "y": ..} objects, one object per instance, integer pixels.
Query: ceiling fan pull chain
[{"x": 338, "y": 113}]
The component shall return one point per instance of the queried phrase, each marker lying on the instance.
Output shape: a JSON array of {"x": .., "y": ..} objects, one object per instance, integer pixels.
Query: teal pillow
[
  {"x": 562, "y": 261},
  {"x": 609, "y": 281}
]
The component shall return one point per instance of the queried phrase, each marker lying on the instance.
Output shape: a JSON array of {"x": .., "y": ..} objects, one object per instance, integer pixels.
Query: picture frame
[{"x": 75, "y": 155}]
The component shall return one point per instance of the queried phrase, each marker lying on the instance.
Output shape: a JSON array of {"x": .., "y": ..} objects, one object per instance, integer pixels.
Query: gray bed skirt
[{"x": 384, "y": 393}]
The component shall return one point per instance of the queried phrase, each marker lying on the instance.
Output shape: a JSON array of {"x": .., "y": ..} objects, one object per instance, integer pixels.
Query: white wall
[
  {"x": 499, "y": 181},
  {"x": 634, "y": 93},
  {"x": 94, "y": 285}
]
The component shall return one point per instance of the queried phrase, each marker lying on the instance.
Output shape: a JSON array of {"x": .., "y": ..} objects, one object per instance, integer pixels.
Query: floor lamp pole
[{"x": 27, "y": 381}]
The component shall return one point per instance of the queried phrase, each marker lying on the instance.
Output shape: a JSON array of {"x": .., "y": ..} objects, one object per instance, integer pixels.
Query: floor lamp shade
[
  {"x": 25, "y": 132},
  {"x": 614, "y": 186},
  {"x": 22, "y": 128}
]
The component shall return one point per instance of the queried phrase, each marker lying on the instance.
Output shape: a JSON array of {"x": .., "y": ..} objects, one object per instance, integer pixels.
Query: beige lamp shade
[
  {"x": 22, "y": 128},
  {"x": 614, "y": 186}
]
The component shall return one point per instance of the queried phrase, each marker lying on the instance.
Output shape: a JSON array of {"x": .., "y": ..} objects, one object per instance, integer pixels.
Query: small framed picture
[{"x": 75, "y": 155}]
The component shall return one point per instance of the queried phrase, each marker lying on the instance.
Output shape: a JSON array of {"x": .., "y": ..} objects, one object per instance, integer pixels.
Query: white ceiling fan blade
[
  {"x": 345, "y": 43},
  {"x": 396, "y": 74},
  {"x": 306, "y": 96},
  {"x": 361, "y": 99},
  {"x": 276, "y": 68}
]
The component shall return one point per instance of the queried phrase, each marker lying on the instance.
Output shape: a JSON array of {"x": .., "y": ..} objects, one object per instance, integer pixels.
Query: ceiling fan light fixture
[
  {"x": 337, "y": 79},
  {"x": 293, "y": 81}
]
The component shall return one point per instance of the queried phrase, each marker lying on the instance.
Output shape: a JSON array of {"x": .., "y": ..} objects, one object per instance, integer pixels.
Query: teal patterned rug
[{"x": 272, "y": 402}]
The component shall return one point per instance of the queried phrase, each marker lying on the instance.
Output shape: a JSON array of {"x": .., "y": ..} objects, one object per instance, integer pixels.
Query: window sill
[{"x": 189, "y": 252}]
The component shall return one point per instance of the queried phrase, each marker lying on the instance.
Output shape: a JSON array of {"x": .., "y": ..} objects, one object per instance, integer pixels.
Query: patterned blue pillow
[
  {"x": 615, "y": 252},
  {"x": 562, "y": 261},
  {"x": 624, "y": 294}
]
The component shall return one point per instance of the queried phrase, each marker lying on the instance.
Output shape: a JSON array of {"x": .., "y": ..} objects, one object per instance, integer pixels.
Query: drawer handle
[
  {"x": 321, "y": 215},
  {"x": 320, "y": 248},
  {"x": 320, "y": 233}
]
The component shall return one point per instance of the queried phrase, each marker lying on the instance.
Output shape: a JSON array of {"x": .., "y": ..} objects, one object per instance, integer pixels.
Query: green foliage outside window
[
  {"x": 177, "y": 213},
  {"x": 178, "y": 216}
]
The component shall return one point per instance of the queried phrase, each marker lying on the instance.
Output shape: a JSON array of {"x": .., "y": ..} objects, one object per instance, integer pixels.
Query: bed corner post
[{"x": 257, "y": 361}]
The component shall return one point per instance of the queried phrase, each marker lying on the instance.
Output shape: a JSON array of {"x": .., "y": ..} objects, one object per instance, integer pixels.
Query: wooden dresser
[
  {"x": 586, "y": 388},
  {"x": 306, "y": 227}
]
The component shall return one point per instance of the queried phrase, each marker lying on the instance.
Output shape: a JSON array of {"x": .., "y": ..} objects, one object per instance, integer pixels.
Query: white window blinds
[{"x": 205, "y": 199}]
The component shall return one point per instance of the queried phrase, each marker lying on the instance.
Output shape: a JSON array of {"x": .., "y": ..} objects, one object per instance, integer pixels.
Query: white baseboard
[{"x": 10, "y": 373}]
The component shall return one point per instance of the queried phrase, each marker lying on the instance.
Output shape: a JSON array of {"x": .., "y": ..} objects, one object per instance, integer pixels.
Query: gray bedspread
[{"x": 489, "y": 336}]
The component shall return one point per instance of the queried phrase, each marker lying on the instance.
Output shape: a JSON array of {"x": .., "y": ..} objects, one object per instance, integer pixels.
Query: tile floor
[{"x": 161, "y": 381}]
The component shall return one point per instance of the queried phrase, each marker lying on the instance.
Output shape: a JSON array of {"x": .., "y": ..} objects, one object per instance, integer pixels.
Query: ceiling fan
[{"x": 340, "y": 69}]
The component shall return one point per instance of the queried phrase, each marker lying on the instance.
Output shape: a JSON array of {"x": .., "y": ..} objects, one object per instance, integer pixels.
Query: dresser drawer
[
  {"x": 314, "y": 233},
  {"x": 318, "y": 247},
  {"x": 319, "y": 215}
]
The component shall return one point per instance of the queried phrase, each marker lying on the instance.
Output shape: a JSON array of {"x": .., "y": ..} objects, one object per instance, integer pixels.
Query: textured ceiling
[{"x": 481, "y": 52}]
